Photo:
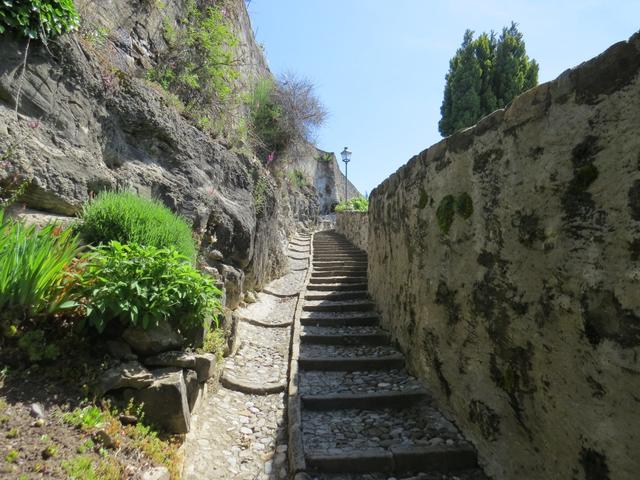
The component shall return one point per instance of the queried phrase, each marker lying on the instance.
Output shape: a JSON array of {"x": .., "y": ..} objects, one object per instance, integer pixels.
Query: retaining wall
[
  {"x": 505, "y": 260},
  {"x": 355, "y": 227}
]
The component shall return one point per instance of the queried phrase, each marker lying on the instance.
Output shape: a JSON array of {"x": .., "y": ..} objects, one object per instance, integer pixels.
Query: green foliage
[
  {"x": 445, "y": 213},
  {"x": 297, "y": 178},
  {"x": 144, "y": 285},
  {"x": 199, "y": 65},
  {"x": 485, "y": 74},
  {"x": 34, "y": 344},
  {"x": 356, "y": 204},
  {"x": 260, "y": 189},
  {"x": 267, "y": 118},
  {"x": 32, "y": 268},
  {"x": 283, "y": 112},
  {"x": 128, "y": 218},
  {"x": 84, "y": 418},
  {"x": 464, "y": 205},
  {"x": 12, "y": 193},
  {"x": 42, "y": 19},
  {"x": 83, "y": 467},
  {"x": 214, "y": 342}
]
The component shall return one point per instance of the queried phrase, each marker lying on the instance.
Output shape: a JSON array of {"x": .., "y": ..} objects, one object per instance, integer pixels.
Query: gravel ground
[
  {"x": 335, "y": 431},
  {"x": 269, "y": 309},
  {"x": 317, "y": 382},
  {"x": 238, "y": 436}
]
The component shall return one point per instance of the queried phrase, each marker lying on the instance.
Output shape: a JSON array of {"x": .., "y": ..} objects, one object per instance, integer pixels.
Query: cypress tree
[{"x": 485, "y": 74}]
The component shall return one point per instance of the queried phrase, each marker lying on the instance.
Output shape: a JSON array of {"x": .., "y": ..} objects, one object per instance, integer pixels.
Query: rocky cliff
[
  {"x": 506, "y": 262},
  {"x": 88, "y": 120}
]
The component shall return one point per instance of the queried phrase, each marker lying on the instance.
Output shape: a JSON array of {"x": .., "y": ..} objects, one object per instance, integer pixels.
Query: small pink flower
[
  {"x": 34, "y": 123},
  {"x": 271, "y": 157}
]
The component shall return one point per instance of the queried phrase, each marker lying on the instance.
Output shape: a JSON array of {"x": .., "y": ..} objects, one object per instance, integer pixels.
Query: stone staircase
[{"x": 362, "y": 416}]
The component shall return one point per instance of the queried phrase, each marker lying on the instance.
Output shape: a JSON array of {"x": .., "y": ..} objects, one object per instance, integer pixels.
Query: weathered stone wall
[
  {"x": 355, "y": 227},
  {"x": 505, "y": 260}
]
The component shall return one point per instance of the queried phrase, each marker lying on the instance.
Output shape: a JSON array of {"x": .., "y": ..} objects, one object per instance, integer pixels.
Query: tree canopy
[{"x": 485, "y": 74}]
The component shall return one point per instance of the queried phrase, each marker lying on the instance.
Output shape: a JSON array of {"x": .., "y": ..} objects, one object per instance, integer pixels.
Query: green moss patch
[
  {"x": 464, "y": 205},
  {"x": 445, "y": 213}
]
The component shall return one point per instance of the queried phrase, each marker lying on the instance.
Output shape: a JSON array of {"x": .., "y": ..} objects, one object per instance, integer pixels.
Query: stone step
[
  {"x": 335, "y": 272},
  {"x": 360, "y": 382},
  {"x": 398, "y": 460},
  {"x": 337, "y": 306},
  {"x": 330, "y": 320},
  {"x": 414, "y": 438},
  {"x": 333, "y": 401},
  {"x": 339, "y": 264},
  {"x": 338, "y": 250},
  {"x": 338, "y": 279},
  {"x": 351, "y": 364},
  {"x": 348, "y": 295},
  {"x": 364, "y": 339},
  {"x": 335, "y": 287}
]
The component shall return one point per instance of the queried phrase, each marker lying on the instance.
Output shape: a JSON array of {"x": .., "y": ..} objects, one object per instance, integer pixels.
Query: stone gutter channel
[{"x": 239, "y": 431}]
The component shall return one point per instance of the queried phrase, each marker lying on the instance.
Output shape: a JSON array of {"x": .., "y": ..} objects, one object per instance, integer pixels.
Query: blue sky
[{"x": 379, "y": 66}]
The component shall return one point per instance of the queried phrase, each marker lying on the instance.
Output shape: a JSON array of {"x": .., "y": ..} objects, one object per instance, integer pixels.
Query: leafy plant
[
  {"x": 297, "y": 178},
  {"x": 200, "y": 65},
  {"x": 85, "y": 418},
  {"x": 355, "y": 204},
  {"x": 83, "y": 467},
  {"x": 32, "y": 268},
  {"x": 260, "y": 188},
  {"x": 144, "y": 285},
  {"x": 128, "y": 218},
  {"x": 214, "y": 342},
  {"x": 283, "y": 112},
  {"x": 42, "y": 19},
  {"x": 34, "y": 344}
]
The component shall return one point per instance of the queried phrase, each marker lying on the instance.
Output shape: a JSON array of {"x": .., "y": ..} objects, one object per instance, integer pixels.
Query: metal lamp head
[{"x": 346, "y": 155}]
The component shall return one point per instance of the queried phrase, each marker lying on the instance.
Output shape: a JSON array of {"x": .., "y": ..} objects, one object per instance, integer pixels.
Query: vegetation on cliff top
[
  {"x": 485, "y": 74},
  {"x": 42, "y": 19}
]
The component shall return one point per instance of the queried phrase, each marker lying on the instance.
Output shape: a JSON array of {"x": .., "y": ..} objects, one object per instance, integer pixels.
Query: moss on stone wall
[{"x": 445, "y": 213}]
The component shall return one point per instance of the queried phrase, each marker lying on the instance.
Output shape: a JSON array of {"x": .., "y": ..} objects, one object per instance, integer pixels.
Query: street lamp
[{"x": 346, "y": 158}]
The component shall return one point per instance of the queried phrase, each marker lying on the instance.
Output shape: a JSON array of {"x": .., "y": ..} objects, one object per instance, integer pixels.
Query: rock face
[
  {"x": 89, "y": 121},
  {"x": 355, "y": 227},
  {"x": 166, "y": 400},
  {"x": 506, "y": 262}
]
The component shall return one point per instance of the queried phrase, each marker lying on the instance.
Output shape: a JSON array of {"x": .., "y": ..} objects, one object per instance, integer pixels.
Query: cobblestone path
[
  {"x": 355, "y": 412},
  {"x": 238, "y": 431}
]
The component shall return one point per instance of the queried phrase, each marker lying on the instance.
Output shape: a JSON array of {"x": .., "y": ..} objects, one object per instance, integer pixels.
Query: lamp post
[{"x": 346, "y": 158}]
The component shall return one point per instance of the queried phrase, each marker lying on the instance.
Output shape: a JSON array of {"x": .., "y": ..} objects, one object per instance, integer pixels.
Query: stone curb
[
  {"x": 281, "y": 295},
  {"x": 258, "y": 323},
  {"x": 297, "y": 464},
  {"x": 232, "y": 383}
]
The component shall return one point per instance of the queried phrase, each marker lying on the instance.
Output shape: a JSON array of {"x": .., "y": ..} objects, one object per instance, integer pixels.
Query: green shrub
[
  {"x": 143, "y": 285},
  {"x": 297, "y": 178},
  {"x": 128, "y": 218},
  {"x": 32, "y": 268},
  {"x": 200, "y": 65},
  {"x": 267, "y": 123},
  {"x": 356, "y": 204},
  {"x": 42, "y": 19}
]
